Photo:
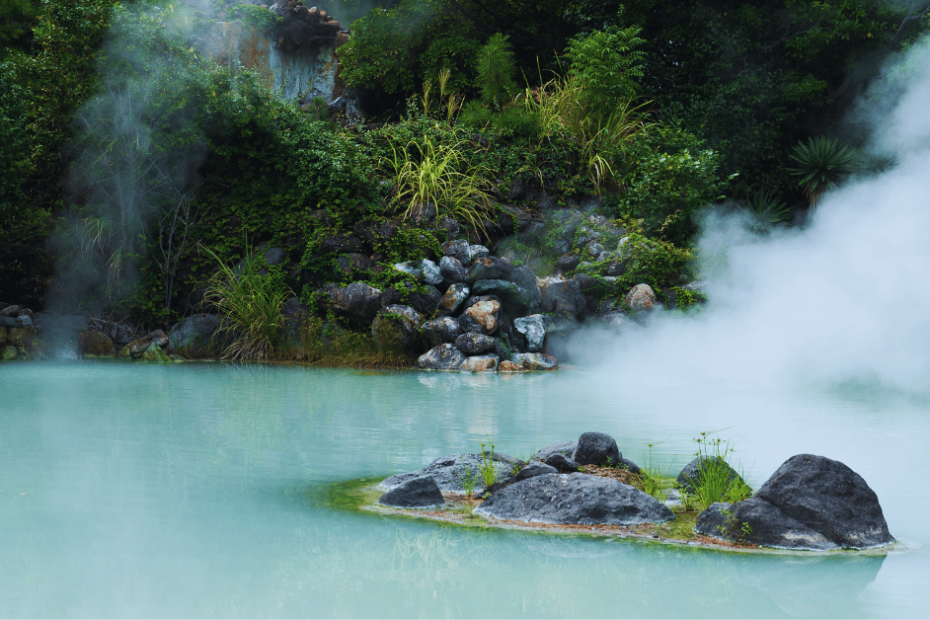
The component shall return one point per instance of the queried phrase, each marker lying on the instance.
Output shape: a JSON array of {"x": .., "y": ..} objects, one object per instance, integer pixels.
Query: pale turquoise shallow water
[{"x": 192, "y": 490}]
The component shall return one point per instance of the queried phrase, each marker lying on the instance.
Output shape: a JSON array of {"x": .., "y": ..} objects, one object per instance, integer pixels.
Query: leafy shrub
[
  {"x": 496, "y": 68},
  {"x": 667, "y": 177},
  {"x": 606, "y": 65}
]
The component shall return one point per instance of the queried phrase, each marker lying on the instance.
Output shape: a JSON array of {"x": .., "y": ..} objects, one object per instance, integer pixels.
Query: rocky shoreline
[
  {"x": 811, "y": 503},
  {"x": 468, "y": 310}
]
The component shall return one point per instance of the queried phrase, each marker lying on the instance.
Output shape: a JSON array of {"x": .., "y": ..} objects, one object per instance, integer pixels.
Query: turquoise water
[{"x": 195, "y": 490}]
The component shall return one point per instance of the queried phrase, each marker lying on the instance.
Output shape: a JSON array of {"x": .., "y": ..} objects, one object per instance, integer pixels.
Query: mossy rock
[
  {"x": 8, "y": 353},
  {"x": 154, "y": 354}
]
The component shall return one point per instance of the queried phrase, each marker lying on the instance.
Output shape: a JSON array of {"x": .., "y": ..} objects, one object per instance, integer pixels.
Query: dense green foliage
[{"x": 132, "y": 150}]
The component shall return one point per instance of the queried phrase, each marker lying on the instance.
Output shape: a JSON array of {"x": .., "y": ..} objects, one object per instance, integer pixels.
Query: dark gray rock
[
  {"x": 830, "y": 498},
  {"x": 564, "y": 298},
  {"x": 567, "y": 262},
  {"x": 397, "y": 327},
  {"x": 533, "y": 330},
  {"x": 459, "y": 250},
  {"x": 347, "y": 265},
  {"x": 597, "y": 449},
  {"x": 526, "y": 281},
  {"x": 565, "y": 449},
  {"x": 515, "y": 299},
  {"x": 429, "y": 300},
  {"x": 442, "y": 357},
  {"x": 474, "y": 343},
  {"x": 489, "y": 269},
  {"x": 415, "y": 493},
  {"x": 441, "y": 330},
  {"x": 452, "y": 472},
  {"x": 452, "y": 270},
  {"x": 574, "y": 499},
  {"x": 357, "y": 300},
  {"x": 756, "y": 521},
  {"x": 691, "y": 474},
  {"x": 453, "y": 298},
  {"x": 561, "y": 462},
  {"x": 535, "y": 468},
  {"x": 194, "y": 335}
]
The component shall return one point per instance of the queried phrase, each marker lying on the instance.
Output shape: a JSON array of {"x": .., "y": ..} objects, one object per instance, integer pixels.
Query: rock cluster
[
  {"x": 810, "y": 502},
  {"x": 17, "y": 332}
]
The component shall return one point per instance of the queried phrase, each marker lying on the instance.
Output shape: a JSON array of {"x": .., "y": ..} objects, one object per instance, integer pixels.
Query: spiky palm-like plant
[{"x": 821, "y": 164}]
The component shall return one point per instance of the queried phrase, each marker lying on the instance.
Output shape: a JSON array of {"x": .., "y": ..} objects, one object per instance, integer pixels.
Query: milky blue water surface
[{"x": 137, "y": 490}]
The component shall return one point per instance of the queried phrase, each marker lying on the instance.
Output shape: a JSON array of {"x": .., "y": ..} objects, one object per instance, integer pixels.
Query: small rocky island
[{"x": 810, "y": 503}]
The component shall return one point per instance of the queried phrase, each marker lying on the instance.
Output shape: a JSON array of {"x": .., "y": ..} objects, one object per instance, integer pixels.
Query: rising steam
[{"x": 845, "y": 299}]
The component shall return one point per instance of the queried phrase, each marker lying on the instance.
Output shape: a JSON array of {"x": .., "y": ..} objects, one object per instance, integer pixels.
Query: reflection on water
[{"x": 131, "y": 490}]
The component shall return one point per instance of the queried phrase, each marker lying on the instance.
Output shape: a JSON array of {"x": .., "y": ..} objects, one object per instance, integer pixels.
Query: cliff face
[{"x": 296, "y": 56}]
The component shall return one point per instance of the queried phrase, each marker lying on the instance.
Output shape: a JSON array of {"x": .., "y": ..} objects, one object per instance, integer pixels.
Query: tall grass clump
[
  {"x": 249, "y": 305},
  {"x": 715, "y": 481},
  {"x": 440, "y": 175}
]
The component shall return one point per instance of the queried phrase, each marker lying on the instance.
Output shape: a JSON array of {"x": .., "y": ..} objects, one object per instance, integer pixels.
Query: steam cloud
[{"x": 846, "y": 299}]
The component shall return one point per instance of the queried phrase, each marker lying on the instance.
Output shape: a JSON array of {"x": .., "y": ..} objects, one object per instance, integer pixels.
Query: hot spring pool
[{"x": 203, "y": 490}]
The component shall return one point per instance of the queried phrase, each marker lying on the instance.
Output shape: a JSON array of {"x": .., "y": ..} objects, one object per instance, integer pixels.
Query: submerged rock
[
  {"x": 480, "y": 363},
  {"x": 442, "y": 357},
  {"x": 576, "y": 499},
  {"x": 535, "y": 361},
  {"x": 415, "y": 493},
  {"x": 810, "y": 502}
]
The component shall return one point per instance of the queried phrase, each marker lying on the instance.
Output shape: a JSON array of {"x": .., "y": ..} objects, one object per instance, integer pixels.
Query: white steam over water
[{"x": 847, "y": 298}]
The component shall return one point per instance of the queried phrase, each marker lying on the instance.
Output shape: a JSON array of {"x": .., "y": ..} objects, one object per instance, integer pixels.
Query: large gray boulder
[
  {"x": 597, "y": 449},
  {"x": 755, "y": 521},
  {"x": 442, "y": 357},
  {"x": 574, "y": 499},
  {"x": 810, "y": 502},
  {"x": 415, "y": 493},
  {"x": 452, "y": 473},
  {"x": 193, "y": 335}
]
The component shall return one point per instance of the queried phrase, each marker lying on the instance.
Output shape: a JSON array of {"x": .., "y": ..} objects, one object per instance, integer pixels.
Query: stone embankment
[{"x": 809, "y": 503}]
